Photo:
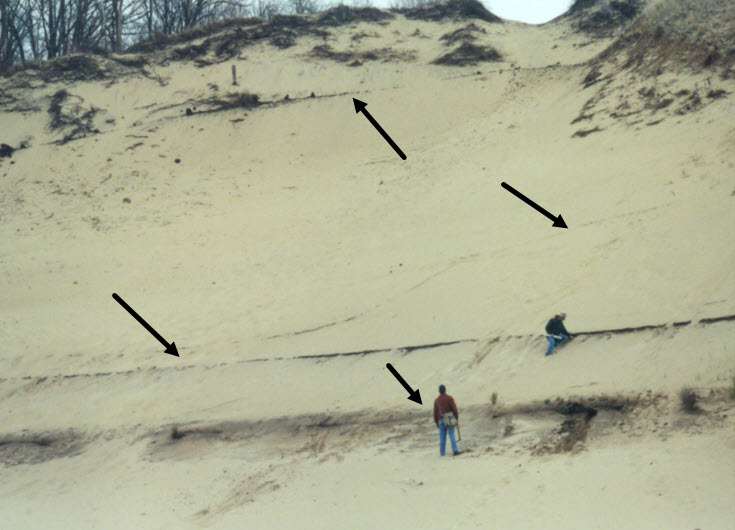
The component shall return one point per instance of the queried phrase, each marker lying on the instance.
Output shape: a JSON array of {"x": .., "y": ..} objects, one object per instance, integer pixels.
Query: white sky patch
[{"x": 528, "y": 11}]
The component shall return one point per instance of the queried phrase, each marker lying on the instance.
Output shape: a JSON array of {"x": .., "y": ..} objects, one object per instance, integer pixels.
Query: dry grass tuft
[
  {"x": 465, "y": 34},
  {"x": 451, "y": 9},
  {"x": 71, "y": 118},
  {"x": 697, "y": 34},
  {"x": 600, "y": 18},
  {"x": 688, "y": 398},
  {"x": 325, "y": 51},
  {"x": 468, "y": 54}
]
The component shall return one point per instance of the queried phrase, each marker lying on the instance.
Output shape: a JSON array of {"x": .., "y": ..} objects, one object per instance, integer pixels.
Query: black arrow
[
  {"x": 170, "y": 348},
  {"x": 413, "y": 395},
  {"x": 558, "y": 221},
  {"x": 360, "y": 106}
]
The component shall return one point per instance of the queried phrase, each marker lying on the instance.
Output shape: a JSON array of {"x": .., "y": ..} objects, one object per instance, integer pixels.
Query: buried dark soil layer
[
  {"x": 36, "y": 448},
  {"x": 550, "y": 426}
]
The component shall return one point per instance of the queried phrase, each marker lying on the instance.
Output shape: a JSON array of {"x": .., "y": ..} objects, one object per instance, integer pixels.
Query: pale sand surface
[{"x": 298, "y": 231}]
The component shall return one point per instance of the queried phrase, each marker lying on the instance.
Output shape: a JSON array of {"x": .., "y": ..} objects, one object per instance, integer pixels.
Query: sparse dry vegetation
[
  {"x": 509, "y": 427},
  {"x": 468, "y": 54},
  {"x": 450, "y": 10},
  {"x": 465, "y": 34},
  {"x": 688, "y": 398},
  {"x": 68, "y": 115},
  {"x": 176, "y": 434},
  {"x": 581, "y": 133},
  {"x": 697, "y": 34},
  {"x": 600, "y": 18},
  {"x": 324, "y": 51}
]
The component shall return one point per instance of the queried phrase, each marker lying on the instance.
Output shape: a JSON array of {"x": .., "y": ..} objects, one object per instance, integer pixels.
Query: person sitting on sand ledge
[
  {"x": 556, "y": 333},
  {"x": 445, "y": 417}
]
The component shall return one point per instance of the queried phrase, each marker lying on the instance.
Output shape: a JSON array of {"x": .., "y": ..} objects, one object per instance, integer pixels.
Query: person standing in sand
[
  {"x": 556, "y": 333},
  {"x": 445, "y": 410}
]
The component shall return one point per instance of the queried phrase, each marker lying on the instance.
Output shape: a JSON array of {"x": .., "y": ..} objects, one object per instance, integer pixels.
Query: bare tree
[
  {"x": 7, "y": 42},
  {"x": 303, "y": 6},
  {"x": 51, "y": 28},
  {"x": 86, "y": 27},
  {"x": 267, "y": 8}
]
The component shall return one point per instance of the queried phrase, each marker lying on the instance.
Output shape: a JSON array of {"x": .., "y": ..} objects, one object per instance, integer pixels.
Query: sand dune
[{"x": 291, "y": 254}]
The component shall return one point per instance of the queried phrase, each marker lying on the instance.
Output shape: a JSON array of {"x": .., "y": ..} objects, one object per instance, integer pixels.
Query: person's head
[
  {"x": 562, "y": 316},
  {"x": 442, "y": 389}
]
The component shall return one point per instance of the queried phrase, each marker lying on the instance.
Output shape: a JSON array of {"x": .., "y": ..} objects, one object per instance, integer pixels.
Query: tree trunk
[{"x": 118, "y": 26}]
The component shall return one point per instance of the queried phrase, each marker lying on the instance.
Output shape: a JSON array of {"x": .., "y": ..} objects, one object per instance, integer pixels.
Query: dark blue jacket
[{"x": 556, "y": 327}]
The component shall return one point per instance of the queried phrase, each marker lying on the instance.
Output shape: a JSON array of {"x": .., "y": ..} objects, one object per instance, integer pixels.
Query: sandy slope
[{"x": 293, "y": 229}]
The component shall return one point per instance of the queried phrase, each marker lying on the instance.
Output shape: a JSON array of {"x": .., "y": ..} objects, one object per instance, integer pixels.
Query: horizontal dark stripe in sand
[{"x": 403, "y": 349}]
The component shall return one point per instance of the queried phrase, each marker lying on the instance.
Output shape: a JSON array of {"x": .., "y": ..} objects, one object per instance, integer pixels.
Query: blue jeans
[
  {"x": 443, "y": 438},
  {"x": 553, "y": 342}
]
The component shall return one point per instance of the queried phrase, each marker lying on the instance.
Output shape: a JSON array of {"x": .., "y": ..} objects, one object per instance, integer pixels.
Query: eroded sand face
[{"x": 291, "y": 230}]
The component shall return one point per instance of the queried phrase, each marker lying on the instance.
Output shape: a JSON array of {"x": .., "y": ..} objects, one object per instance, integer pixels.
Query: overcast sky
[{"x": 529, "y": 11}]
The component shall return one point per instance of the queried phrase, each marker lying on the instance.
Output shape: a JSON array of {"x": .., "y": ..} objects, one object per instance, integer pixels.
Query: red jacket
[{"x": 443, "y": 404}]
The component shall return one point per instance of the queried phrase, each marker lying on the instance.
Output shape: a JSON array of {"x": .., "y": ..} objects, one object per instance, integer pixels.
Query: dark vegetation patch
[
  {"x": 362, "y": 35},
  {"x": 35, "y": 448},
  {"x": 691, "y": 104},
  {"x": 69, "y": 117},
  {"x": 582, "y": 117},
  {"x": 465, "y": 34},
  {"x": 64, "y": 69},
  {"x": 688, "y": 398},
  {"x": 160, "y": 40},
  {"x": 225, "y": 40},
  {"x": 342, "y": 14},
  {"x": 467, "y": 54},
  {"x": 283, "y": 40},
  {"x": 189, "y": 53},
  {"x": 451, "y": 9},
  {"x": 592, "y": 77},
  {"x": 600, "y": 18},
  {"x": 217, "y": 103},
  {"x": 324, "y": 51},
  {"x": 281, "y": 31},
  {"x": 74, "y": 68},
  {"x": 581, "y": 133},
  {"x": 717, "y": 94},
  {"x": 135, "y": 61},
  {"x": 696, "y": 35},
  {"x": 240, "y": 100},
  {"x": 6, "y": 151}
]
